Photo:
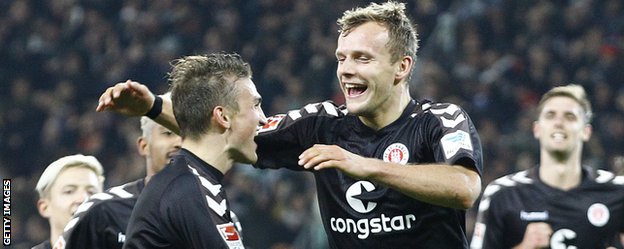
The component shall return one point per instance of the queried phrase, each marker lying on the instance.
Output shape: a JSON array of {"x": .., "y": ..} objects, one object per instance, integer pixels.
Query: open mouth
[
  {"x": 354, "y": 90},
  {"x": 558, "y": 136}
]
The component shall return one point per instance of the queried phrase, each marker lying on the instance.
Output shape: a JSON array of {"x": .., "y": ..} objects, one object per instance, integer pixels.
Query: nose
[
  {"x": 263, "y": 118},
  {"x": 177, "y": 143},
  {"x": 558, "y": 121},
  {"x": 345, "y": 68},
  {"x": 81, "y": 196}
]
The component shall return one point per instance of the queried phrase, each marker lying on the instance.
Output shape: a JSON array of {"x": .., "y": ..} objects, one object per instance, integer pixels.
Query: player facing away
[
  {"x": 391, "y": 171},
  {"x": 559, "y": 203},
  {"x": 218, "y": 109},
  {"x": 101, "y": 221}
]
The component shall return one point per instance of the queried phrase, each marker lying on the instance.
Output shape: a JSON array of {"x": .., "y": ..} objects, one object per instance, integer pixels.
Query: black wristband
[{"x": 156, "y": 108}]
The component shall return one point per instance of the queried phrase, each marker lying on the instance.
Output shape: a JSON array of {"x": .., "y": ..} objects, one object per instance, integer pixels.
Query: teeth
[{"x": 558, "y": 136}]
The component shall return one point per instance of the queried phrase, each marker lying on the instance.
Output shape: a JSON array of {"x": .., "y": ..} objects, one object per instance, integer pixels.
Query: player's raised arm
[{"x": 133, "y": 99}]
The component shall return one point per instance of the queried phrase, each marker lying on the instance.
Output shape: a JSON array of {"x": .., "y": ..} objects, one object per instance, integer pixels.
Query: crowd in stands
[{"x": 492, "y": 57}]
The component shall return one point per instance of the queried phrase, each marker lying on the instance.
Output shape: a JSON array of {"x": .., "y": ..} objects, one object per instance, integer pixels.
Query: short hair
[
  {"x": 49, "y": 175},
  {"x": 573, "y": 91},
  {"x": 403, "y": 38},
  {"x": 147, "y": 124},
  {"x": 199, "y": 83}
]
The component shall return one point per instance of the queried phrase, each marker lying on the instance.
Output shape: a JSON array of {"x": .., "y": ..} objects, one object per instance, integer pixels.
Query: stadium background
[{"x": 493, "y": 57}]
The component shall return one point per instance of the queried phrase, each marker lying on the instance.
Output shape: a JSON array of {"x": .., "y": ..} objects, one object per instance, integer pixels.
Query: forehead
[
  {"x": 247, "y": 88},
  {"x": 158, "y": 129},
  {"x": 369, "y": 37},
  {"x": 562, "y": 104},
  {"x": 75, "y": 175}
]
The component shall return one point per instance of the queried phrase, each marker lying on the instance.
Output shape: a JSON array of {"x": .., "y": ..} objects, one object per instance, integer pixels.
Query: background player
[
  {"x": 103, "y": 224},
  {"x": 559, "y": 203},
  {"x": 391, "y": 171},
  {"x": 63, "y": 186}
]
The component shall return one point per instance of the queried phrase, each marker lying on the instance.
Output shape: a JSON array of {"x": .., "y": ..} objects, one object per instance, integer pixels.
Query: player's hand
[
  {"x": 128, "y": 98},
  {"x": 537, "y": 235},
  {"x": 322, "y": 156}
]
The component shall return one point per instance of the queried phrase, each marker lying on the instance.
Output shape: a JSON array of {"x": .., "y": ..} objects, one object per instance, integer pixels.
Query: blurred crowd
[{"x": 492, "y": 57}]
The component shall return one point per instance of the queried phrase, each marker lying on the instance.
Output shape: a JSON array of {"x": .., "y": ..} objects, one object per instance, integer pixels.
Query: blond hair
[
  {"x": 49, "y": 175},
  {"x": 573, "y": 91},
  {"x": 403, "y": 38}
]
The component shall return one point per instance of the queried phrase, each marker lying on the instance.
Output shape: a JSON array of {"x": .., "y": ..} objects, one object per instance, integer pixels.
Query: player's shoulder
[
  {"x": 440, "y": 109},
  {"x": 127, "y": 190},
  {"x": 509, "y": 182},
  {"x": 183, "y": 184},
  {"x": 326, "y": 109},
  {"x": 605, "y": 177},
  {"x": 99, "y": 201}
]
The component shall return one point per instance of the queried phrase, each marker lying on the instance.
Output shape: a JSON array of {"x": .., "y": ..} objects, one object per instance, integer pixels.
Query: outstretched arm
[
  {"x": 134, "y": 99},
  {"x": 452, "y": 186}
]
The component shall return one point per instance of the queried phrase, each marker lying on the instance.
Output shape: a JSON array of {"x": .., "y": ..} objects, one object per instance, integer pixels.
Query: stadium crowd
[{"x": 493, "y": 57}]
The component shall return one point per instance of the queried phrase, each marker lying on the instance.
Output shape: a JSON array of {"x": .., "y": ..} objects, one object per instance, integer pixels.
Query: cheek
[
  {"x": 246, "y": 128},
  {"x": 60, "y": 204}
]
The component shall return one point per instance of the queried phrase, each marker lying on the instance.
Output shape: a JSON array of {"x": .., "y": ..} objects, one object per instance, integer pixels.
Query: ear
[
  {"x": 587, "y": 132},
  {"x": 404, "y": 68},
  {"x": 142, "y": 146},
  {"x": 221, "y": 117},
  {"x": 536, "y": 129},
  {"x": 42, "y": 207}
]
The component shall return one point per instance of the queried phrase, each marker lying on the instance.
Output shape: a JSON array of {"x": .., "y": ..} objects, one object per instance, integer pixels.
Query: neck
[
  {"x": 388, "y": 113},
  {"x": 149, "y": 171},
  {"x": 563, "y": 174},
  {"x": 55, "y": 233},
  {"x": 210, "y": 149}
]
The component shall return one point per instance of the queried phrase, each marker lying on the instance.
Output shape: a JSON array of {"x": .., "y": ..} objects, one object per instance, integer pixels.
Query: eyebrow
[{"x": 564, "y": 112}]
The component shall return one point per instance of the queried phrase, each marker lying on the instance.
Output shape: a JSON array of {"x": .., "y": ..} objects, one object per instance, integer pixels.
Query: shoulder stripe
[
  {"x": 83, "y": 207},
  {"x": 214, "y": 189},
  {"x": 121, "y": 192},
  {"x": 619, "y": 180},
  {"x": 450, "y": 109},
  {"x": 498, "y": 184},
  {"x": 451, "y": 123},
  {"x": 71, "y": 224},
  {"x": 101, "y": 196},
  {"x": 330, "y": 109},
  {"x": 294, "y": 115},
  {"x": 507, "y": 181},
  {"x": 311, "y": 108},
  {"x": 521, "y": 177},
  {"x": 219, "y": 208},
  {"x": 604, "y": 176}
]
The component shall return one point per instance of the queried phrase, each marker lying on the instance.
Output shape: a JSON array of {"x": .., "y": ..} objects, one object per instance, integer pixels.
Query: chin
[
  {"x": 248, "y": 159},
  {"x": 353, "y": 108}
]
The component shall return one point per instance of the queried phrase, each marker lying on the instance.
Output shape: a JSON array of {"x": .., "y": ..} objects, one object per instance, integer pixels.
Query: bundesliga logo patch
[
  {"x": 272, "y": 123},
  {"x": 230, "y": 235},
  {"x": 396, "y": 153}
]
